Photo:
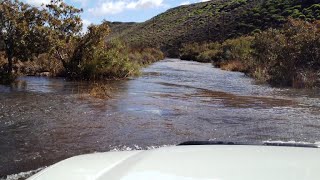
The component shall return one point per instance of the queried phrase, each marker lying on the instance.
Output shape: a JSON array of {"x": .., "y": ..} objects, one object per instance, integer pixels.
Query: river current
[{"x": 45, "y": 120}]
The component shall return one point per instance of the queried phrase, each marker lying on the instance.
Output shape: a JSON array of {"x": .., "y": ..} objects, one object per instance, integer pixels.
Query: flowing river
[{"x": 44, "y": 120}]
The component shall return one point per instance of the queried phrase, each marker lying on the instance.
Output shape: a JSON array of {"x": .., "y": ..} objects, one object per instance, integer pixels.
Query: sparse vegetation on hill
[
  {"x": 212, "y": 21},
  {"x": 274, "y": 13},
  {"x": 118, "y": 27}
]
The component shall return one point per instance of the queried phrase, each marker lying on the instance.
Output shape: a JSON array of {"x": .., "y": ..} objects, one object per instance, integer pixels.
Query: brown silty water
[{"x": 43, "y": 120}]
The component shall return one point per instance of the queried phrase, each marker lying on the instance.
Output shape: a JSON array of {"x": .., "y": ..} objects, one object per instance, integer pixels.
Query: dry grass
[
  {"x": 234, "y": 65},
  {"x": 101, "y": 91},
  {"x": 96, "y": 91}
]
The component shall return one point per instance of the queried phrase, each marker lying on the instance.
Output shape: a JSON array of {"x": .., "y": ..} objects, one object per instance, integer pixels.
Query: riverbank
[
  {"x": 118, "y": 66},
  {"x": 287, "y": 57},
  {"x": 68, "y": 52}
]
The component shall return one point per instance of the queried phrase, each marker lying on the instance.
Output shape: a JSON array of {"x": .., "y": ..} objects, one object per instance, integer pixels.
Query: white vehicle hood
[{"x": 191, "y": 163}]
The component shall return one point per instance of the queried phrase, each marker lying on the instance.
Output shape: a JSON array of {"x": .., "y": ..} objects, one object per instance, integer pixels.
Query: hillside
[
  {"x": 119, "y": 27},
  {"x": 215, "y": 20}
]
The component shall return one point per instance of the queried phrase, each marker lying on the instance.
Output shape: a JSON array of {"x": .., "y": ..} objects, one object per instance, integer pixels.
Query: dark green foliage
[
  {"x": 6, "y": 78},
  {"x": 273, "y": 13}
]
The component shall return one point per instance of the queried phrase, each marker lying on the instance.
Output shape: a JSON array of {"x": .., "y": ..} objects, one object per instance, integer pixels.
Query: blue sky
[{"x": 119, "y": 10}]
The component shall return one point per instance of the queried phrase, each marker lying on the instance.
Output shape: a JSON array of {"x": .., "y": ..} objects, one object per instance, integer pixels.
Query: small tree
[
  {"x": 91, "y": 42},
  {"x": 65, "y": 29},
  {"x": 20, "y": 27},
  {"x": 88, "y": 49},
  {"x": 93, "y": 58}
]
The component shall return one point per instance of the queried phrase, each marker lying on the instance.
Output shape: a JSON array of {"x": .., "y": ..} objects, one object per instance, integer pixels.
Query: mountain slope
[
  {"x": 118, "y": 27},
  {"x": 215, "y": 20}
]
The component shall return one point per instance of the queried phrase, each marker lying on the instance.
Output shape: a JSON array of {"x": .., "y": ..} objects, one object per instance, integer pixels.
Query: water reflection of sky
[
  {"x": 55, "y": 85},
  {"x": 42, "y": 85}
]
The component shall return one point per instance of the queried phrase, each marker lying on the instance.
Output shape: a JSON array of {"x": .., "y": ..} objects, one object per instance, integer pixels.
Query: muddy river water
[{"x": 45, "y": 120}]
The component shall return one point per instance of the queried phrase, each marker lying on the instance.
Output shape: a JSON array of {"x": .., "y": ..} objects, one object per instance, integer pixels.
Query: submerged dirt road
[{"x": 45, "y": 120}]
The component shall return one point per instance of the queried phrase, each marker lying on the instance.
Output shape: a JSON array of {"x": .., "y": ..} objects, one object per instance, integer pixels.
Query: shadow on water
[
  {"x": 231, "y": 100},
  {"x": 44, "y": 120}
]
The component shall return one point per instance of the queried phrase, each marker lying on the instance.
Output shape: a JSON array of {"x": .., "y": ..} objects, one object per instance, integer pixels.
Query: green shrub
[
  {"x": 283, "y": 57},
  {"x": 191, "y": 51},
  {"x": 231, "y": 50},
  {"x": 208, "y": 55},
  {"x": 284, "y": 54},
  {"x": 110, "y": 62},
  {"x": 94, "y": 58},
  {"x": 237, "y": 49}
]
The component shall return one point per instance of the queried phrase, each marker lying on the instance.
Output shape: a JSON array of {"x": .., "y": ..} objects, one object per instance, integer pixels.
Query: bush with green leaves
[
  {"x": 289, "y": 57},
  {"x": 93, "y": 58},
  {"x": 190, "y": 51},
  {"x": 232, "y": 49},
  {"x": 237, "y": 49},
  {"x": 282, "y": 57}
]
